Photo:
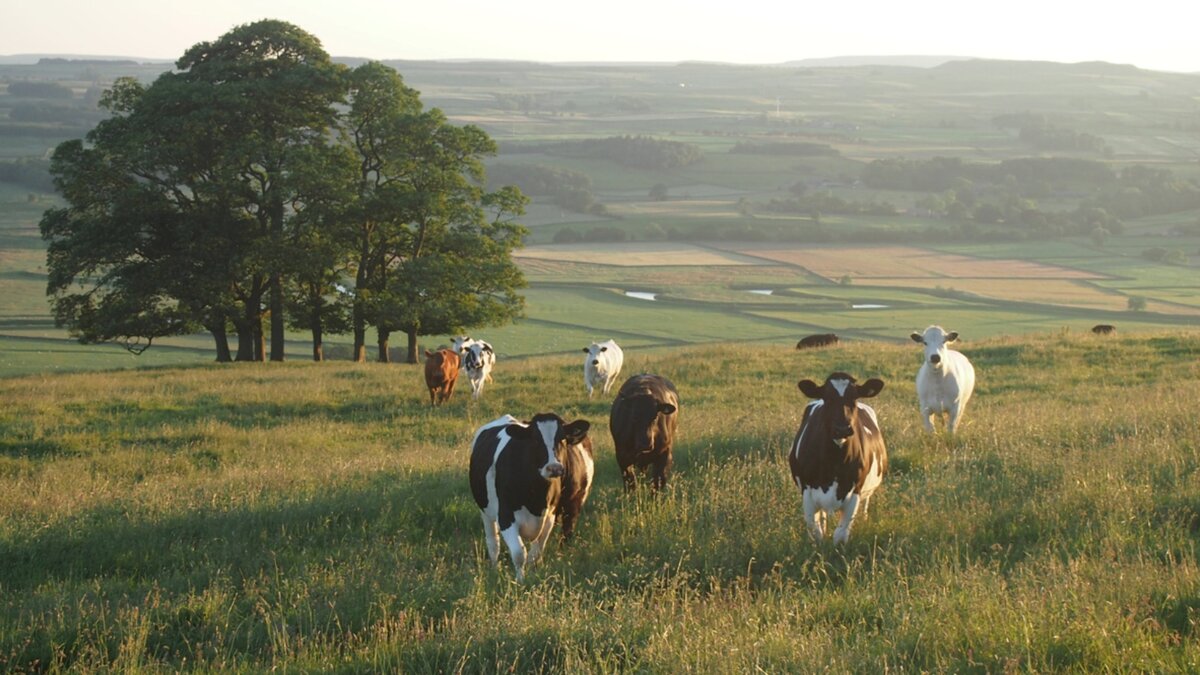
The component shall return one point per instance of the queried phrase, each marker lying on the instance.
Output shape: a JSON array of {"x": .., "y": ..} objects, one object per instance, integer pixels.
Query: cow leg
[
  {"x": 662, "y": 470},
  {"x": 476, "y": 388},
  {"x": 927, "y": 418},
  {"x": 813, "y": 516},
  {"x": 569, "y": 512},
  {"x": 627, "y": 474},
  {"x": 849, "y": 508},
  {"x": 491, "y": 537},
  {"x": 539, "y": 542},
  {"x": 952, "y": 420},
  {"x": 516, "y": 548},
  {"x": 450, "y": 389},
  {"x": 589, "y": 388}
]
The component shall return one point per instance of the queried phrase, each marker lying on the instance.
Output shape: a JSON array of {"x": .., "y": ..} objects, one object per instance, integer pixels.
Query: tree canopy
[{"x": 260, "y": 181}]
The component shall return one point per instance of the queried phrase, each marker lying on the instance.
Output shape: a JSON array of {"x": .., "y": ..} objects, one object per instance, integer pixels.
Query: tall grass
[{"x": 317, "y": 517}]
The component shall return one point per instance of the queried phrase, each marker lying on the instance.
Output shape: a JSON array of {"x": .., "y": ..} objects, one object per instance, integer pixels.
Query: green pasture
[{"x": 315, "y": 517}]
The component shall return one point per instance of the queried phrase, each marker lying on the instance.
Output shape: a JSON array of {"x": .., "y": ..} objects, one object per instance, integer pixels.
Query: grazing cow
[
  {"x": 478, "y": 359},
  {"x": 643, "y": 420},
  {"x": 602, "y": 365},
  {"x": 523, "y": 475},
  {"x": 441, "y": 373},
  {"x": 819, "y": 340},
  {"x": 945, "y": 380},
  {"x": 1104, "y": 329},
  {"x": 838, "y": 458}
]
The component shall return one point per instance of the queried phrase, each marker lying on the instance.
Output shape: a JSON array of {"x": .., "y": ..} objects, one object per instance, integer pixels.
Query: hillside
[{"x": 315, "y": 517}]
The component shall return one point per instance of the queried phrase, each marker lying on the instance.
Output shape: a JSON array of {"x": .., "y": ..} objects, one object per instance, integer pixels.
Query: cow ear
[
  {"x": 951, "y": 337},
  {"x": 428, "y": 353},
  {"x": 666, "y": 408},
  {"x": 576, "y": 431},
  {"x": 810, "y": 389},
  {"x": 870, "y": 388},
  {"x": 604, "y": 349},
  {"x": 916, "y": 337},
  {"x": 487, "y": 348},
  {"x": 587, "y": 349}
]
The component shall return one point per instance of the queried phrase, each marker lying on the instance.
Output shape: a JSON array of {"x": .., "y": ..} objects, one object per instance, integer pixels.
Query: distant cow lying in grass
[
  {"x": 839, "y": 457},
  {"x": 525, "y": 474},
  {"x": 819, "y": 340},
  {"x": 1104, "y": 329}
]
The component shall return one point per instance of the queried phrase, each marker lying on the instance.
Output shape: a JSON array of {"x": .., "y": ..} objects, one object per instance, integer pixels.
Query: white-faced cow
[
  {"x": 945, "y": 380},
  {"x": 602, "y": 365},
  {"x": 525, "y": 474},
  {"x": 478, "y": 359},
  {"x": 642, "y": 421},
  {"x": 839, "y": 457}
]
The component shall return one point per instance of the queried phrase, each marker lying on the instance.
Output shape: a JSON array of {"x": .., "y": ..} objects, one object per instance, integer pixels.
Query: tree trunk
[
  {"x": 318, "y": 347},
  {"x": 384, "y": 356},
  {"x": 221, "y": 338},
  {"x": 360, "y": 333},
  {"x": 245, "y": 350},
  {"x": 276, "y": 291},
  {"x": 413, "y": 356},
  {"x": 260, "y": 340}
]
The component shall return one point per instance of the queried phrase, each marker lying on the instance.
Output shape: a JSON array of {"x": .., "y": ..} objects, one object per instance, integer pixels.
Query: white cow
[
  {"x": 602, "y": 365},
  {"x": 478, "y": 359},
  {"x": 946, "y": 378}
]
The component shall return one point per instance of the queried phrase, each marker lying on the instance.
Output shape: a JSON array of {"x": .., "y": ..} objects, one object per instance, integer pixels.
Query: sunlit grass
[{"x": 316, "y": 517}]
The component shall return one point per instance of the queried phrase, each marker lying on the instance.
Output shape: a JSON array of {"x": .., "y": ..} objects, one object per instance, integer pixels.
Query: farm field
[{"x": 316, "y": 517}]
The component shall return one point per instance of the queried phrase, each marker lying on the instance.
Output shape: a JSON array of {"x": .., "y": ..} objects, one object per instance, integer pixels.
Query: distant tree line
[
  {"x": 642, "y": 152},
  {"x": 259, "y": 186},
  {"x": 49, "y": 90},
  {"x": 28, "y": 172},
  {"x": 566, "y": 188},
  {"x": 1037, "y": 131},
  {"x": 788, "y": 148}
]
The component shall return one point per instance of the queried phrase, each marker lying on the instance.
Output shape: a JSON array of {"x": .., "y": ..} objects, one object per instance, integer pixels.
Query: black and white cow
[
  {"x": 478, "y": 359},
  {"x": 525, "y": 474},
  {"x": 838, "y": 458}
]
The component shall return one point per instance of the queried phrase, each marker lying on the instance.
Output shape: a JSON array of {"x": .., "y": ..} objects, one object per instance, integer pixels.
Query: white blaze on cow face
[{"x": 548, "y": 429}]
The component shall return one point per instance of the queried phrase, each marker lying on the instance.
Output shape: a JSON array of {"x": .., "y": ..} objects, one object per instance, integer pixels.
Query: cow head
[
  {"x": 593, "y": 353},
  {"x": 839, "y": 399},
  {"x": 935, "y": 340},
  {"x": 644, "y": 411},
  {"x": 473, "y": 351},
  {"x": 551, "y": 435}
]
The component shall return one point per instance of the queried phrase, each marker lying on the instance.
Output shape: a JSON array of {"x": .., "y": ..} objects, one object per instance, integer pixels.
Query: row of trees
[{"x": 260, "y": 182}]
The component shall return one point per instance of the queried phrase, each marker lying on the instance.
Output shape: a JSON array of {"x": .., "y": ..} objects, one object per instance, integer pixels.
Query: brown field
[
  {"x": 894, "y": 262},
  {"x": 1066, "y": 292},
  {"x": 659, "y": 253}
]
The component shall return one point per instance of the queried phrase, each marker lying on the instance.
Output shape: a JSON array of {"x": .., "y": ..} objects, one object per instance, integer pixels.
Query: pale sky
[{"x": 1153, "y": 34}]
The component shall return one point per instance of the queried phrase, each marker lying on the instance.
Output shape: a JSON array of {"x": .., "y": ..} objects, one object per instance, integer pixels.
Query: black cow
[
  {"x": 819, "y": 340},
  {"x": 523, "y": 475},
  {"x": 838, "y": 457},
  {"x": 642, "y": 422},
  {"x": 1104, "y": 329}
]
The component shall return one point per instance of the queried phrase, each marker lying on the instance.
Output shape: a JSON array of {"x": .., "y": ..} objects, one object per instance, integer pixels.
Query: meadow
[{"x": 316, "y": 517}]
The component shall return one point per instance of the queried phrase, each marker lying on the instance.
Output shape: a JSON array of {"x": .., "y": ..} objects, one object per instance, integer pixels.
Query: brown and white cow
[
  {"x": 818, "y": 340},
  {"x": 642, "y": 421},
  {"x": 441, "y": 373},
  {"x": 523, "y": 476},
  {"x": 839, "y": 457}
]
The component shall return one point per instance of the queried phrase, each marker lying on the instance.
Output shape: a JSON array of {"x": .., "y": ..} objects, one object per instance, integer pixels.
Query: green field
[{"x": 315, "y": 517}]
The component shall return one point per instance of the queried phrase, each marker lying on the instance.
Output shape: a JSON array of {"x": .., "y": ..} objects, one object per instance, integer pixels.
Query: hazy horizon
[{"x": 754, "y": 32}]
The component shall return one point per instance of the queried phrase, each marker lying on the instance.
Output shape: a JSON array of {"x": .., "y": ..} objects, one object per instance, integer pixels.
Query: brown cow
[
  {"x": 819, "y": 340},
  {"x": 441, "y": 373},
  {"x": 1104, "y": 329},
  {"x": 642, "y": 422}
]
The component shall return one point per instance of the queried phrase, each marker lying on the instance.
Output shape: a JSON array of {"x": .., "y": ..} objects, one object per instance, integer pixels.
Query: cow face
[
  {"x": 473, "y": 352},
  {"x": 644, "y": 416},
  {"x": 935, "y": 340},
  {"x": 839, "y": 399},
  {"x": 593, "y": 353},
  {"x": 551, "y": 435}
]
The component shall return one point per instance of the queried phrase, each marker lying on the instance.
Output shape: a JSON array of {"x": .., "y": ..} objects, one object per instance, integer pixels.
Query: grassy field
[{"x": 316, "y": 517}]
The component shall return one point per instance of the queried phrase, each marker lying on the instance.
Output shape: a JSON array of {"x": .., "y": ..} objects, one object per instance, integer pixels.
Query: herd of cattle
[{"x": 526, "y": 475}]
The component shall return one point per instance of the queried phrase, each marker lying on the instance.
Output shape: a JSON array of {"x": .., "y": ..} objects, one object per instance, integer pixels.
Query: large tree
[{"x": 199, "y": 164}]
